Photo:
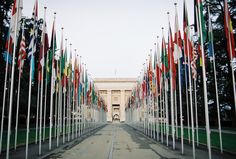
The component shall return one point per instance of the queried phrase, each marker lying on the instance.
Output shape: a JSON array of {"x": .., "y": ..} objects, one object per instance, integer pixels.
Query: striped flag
[
  {"x": 177, "y": 40},
  {"x": 186, "y": 32},
  {"x": 22, "y": 53},
  {"x": 229, "y": 33},
  {"x": 33, "y": 38},
  {"x": 44, "y": 46},
  {"x": 171, "y": 58}
]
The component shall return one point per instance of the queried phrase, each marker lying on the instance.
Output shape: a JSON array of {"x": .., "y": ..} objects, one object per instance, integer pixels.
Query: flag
[
  {"x": 177, "y": 40},
  {"x": 150, "y": 73},
  {"x": 15, "y": 15},
  {"x": 53, "y": 46},
  {"x": 22, "y": 53},
  {"x": 164, "y": 58},
  {"x": 33, "y": 38},
  {"x": 210, "y": 37},
  {"x": 229, "y": 33},
  {"x": 201, "y": 18},
  {"x": 186, "y": 32},
  {"x": 171, "y": 58},
  {"x": 44, "y": 46},
  {"x": 13, "y": 24}
]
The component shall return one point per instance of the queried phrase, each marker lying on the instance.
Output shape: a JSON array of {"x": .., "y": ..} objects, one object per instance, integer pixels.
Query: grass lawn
[
  {"x": 21, "y": 137},
  {"x": 228, "y": 140}
]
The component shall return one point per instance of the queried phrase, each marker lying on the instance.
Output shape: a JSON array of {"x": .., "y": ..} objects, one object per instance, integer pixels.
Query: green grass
[
  {"x": 228, "y": 140},
  {"x": 21, "y": 136}
]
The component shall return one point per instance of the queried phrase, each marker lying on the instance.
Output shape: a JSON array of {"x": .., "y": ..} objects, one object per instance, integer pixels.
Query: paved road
[{"x": 119, "y": 141}]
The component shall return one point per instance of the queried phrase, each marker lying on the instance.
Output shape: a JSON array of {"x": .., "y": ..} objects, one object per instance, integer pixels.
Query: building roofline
[{"x": 96, "y": 80}]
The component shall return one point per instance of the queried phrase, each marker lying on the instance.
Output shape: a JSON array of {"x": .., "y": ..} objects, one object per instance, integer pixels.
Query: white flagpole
[
  {"x": 191, "y": 96},
  {"x": 41, "y": 93},
  {"x": 12, "y": 82},
  {"x": 51, "y": 92},
  {"x": 230, "y": 51},
  {"x": 180, "y": 88},
  {"x": 69, "y": 96},
  {"x": 60, "y": 93},
  {"x": 56, "y": 104},
  {"x": 181, "y": 108},
  {"x": 171, "y": 89},
  {"x": 45, "y": 100},
  {"x": 4, "y": 99},
  {"x": 157, "y": 90},
  {"x": 205, "y": 90},
  {"x": 64, "y": 101},
  {"x": 73, "y": 109},
  {"x": 216, "y": 85},
  {"x": 76, "y": 105},
  {"x": 176, "y": 114},
  {"x": 37, "y": 112},
  {"x": 18, "y": 92},
  {"x": 166, "y": 102},
  {"x": 196, "y": 111}
]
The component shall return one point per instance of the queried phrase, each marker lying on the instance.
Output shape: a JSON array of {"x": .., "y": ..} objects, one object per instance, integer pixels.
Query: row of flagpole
[
  {"x": 148, "y": 107},
  {"x": 72, "y": 93}
]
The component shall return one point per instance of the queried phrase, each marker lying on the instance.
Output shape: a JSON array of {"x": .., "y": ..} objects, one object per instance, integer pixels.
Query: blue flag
[{"x": 9, "y": 60}]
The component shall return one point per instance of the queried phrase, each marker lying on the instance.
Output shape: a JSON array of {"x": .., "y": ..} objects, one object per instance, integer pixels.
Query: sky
[{"x": 113, "y": 37}]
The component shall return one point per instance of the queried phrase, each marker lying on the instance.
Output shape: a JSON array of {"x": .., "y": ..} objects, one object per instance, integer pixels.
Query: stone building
[{"x": 115, "y": 92}]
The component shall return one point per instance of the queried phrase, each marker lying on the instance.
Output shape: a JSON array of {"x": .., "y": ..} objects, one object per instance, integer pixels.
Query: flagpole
[
  {"x": 171, "y": 86},
  {"x": 180, "y": 90},
  {"x": 186, "y": 90},
  {"x": 51, "y": 92},
  {"x": 69, "y": 95},
  {"x": 45, "y": 99},
  {"x": 59, "y": 90},
  {"x": 12, "y": 83},
  {"x": 230, "y": 50},
  {"x": 157, "y": 90},
  {"x": 56, "y": 102},
  {"x": 19, "y": 83},
  {"x": 205, "y": 90},
  {"x": 76, "y": 104},
  {"x": 166, "y": 100},
  {"x": 42, "y": 72},
  {"x": 191, "y": 96},
  {"x": 64, "y": 100},
  {"x": 37, "y": 112},
  {"x": 4, "y": 98},
  {"x": 215, "y": 80}
]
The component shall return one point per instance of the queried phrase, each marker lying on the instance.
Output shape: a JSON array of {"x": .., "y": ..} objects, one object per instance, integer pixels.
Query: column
[
  {"x": 109, "y": 107},
  {"x": 122, "y": 106}
]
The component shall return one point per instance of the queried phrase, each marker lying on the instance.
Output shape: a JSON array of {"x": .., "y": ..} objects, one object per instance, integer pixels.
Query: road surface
[{"x": 119, "y": 141}]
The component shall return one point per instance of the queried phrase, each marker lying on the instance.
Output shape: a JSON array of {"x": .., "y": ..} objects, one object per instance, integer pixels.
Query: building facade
[{"x": 115, "y": 92}]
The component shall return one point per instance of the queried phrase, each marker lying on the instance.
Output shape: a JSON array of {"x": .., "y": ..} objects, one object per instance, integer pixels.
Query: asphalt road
[{"x": 120, "y": 141}]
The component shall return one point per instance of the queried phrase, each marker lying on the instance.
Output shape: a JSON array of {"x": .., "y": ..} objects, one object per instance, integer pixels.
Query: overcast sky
[{"x": 112, "y": 36}]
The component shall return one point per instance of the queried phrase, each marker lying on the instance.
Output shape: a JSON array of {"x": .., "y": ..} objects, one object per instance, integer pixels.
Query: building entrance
[{"x": 116, "y": 112}]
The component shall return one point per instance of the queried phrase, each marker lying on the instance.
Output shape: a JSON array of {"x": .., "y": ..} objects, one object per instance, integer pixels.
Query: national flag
[
  {"x": 186, "y": 32},
  {"x": 177, "y": 41},
  {"x": 150, "y": 72},
  {"x": 171, "y": 58},
  {"x": 44, "y": 46},
  {"x": 33, "y": 39},
  {"x": 22, "y": 53},
  {"x": 201, "y": 18},
  {"x": 15, "y": 19},
  {"x": 210, "y": 37},
  {"x": 164, "y": 58},
  {"x": 51, "y": 59},
  {"x": 229, "y": 33}
]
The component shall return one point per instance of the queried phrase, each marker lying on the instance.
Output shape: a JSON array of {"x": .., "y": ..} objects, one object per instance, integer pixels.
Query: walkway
[{"x": 119, "y": 141}]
